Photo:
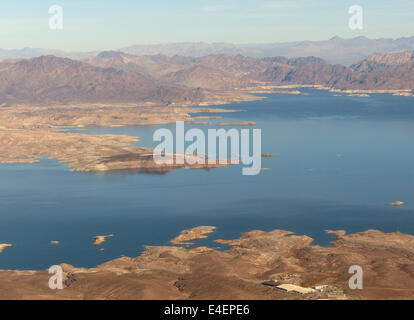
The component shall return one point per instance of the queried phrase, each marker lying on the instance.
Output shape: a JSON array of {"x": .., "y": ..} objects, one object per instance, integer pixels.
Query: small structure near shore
[
  {"x": 287, "y": 287},
  {"x": 271, "y": 283}
]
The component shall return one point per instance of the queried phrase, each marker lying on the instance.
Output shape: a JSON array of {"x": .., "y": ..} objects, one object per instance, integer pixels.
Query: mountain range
[
  {"x": 225, "y": 72},
  {"x": 54, "y": 80},
  {"x": 335, "y": 50},
  {"x": 118, "y": 77}
]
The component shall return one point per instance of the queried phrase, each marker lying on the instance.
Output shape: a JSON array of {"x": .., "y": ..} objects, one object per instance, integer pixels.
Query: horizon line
[{"x": 206, "y": 42}]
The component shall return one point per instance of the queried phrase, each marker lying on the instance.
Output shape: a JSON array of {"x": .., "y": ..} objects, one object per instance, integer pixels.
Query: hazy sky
[{"x": 104, "y": 24}]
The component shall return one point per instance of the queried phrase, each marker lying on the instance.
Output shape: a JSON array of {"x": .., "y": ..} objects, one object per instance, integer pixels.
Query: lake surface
[{"x": 341, "y": 162}]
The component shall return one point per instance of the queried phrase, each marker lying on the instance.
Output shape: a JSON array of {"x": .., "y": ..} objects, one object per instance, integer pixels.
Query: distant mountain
[
  {"x": 27, "y": 52},
  {"x": 216, "y": 72},
  {"x": 394, "y": 71},
  {"x": 335, "y": 50},
  {"x": 378, "y": 62},
  {"x": 116, "y": 77},
  {"x": 385, "y": 71},
  {"x": 377, "y": 72},
  {"x": 225, "y": 72},
  {"x": 54, "y": 80},
  {"x": 189, "y": 49}
]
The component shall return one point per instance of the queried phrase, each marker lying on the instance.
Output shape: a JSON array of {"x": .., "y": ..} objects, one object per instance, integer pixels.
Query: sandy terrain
[
  {"x": 243, "y": 123},
  {"x": 83, "y": 152},
  {"x": 101, "y": 239},
  {"x": 189, "y": 235},
  {"x": 4, "y": 246},
  {"x": 26, "y": 134},
  {"x": 28, "y": 117},
  {"x": 173, "y": 272},
  {"x": 267, "y": 88}
]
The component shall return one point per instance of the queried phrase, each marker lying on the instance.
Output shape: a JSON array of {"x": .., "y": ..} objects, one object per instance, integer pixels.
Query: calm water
[{"x": 341, "y": 161}]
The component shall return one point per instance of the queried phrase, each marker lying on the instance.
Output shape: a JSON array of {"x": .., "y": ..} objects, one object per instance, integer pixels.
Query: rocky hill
[
  {"x": 53, "y": 80},
  {"x": 224, "y": 72},
  {"x": 116, "y": 77}
]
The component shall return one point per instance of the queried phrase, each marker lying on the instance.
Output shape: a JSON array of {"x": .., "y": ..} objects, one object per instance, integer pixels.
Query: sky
[{"x": 104, "y": 25}]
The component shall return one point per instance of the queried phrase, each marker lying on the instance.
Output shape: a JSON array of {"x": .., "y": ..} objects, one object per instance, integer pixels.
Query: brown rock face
[
  {"x": 197, "y": 233},
  {"x": 223, "y": 72},
  {"x": 52, "y": 80},
  {"x": 116, "y": 77}
]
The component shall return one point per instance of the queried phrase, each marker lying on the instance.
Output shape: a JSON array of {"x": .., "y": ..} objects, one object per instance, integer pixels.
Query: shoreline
[
  {"x": 290, "y": 89},
  {"x": 176, "y": 272},
  {"x": 112, "y": 153},
  {"x": 27, "y": 134}
]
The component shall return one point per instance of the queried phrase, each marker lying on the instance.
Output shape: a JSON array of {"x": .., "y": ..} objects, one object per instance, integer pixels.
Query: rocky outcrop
[
  {"x": 259, "y": 265},
  {"x": 223, "y": 72},
  {"x": 189, "y": 235},
  {"x": 52, "y": 80}
]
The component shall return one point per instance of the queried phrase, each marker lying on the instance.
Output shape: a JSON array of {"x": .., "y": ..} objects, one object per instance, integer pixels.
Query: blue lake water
[{"x": 342, "y": 161}]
